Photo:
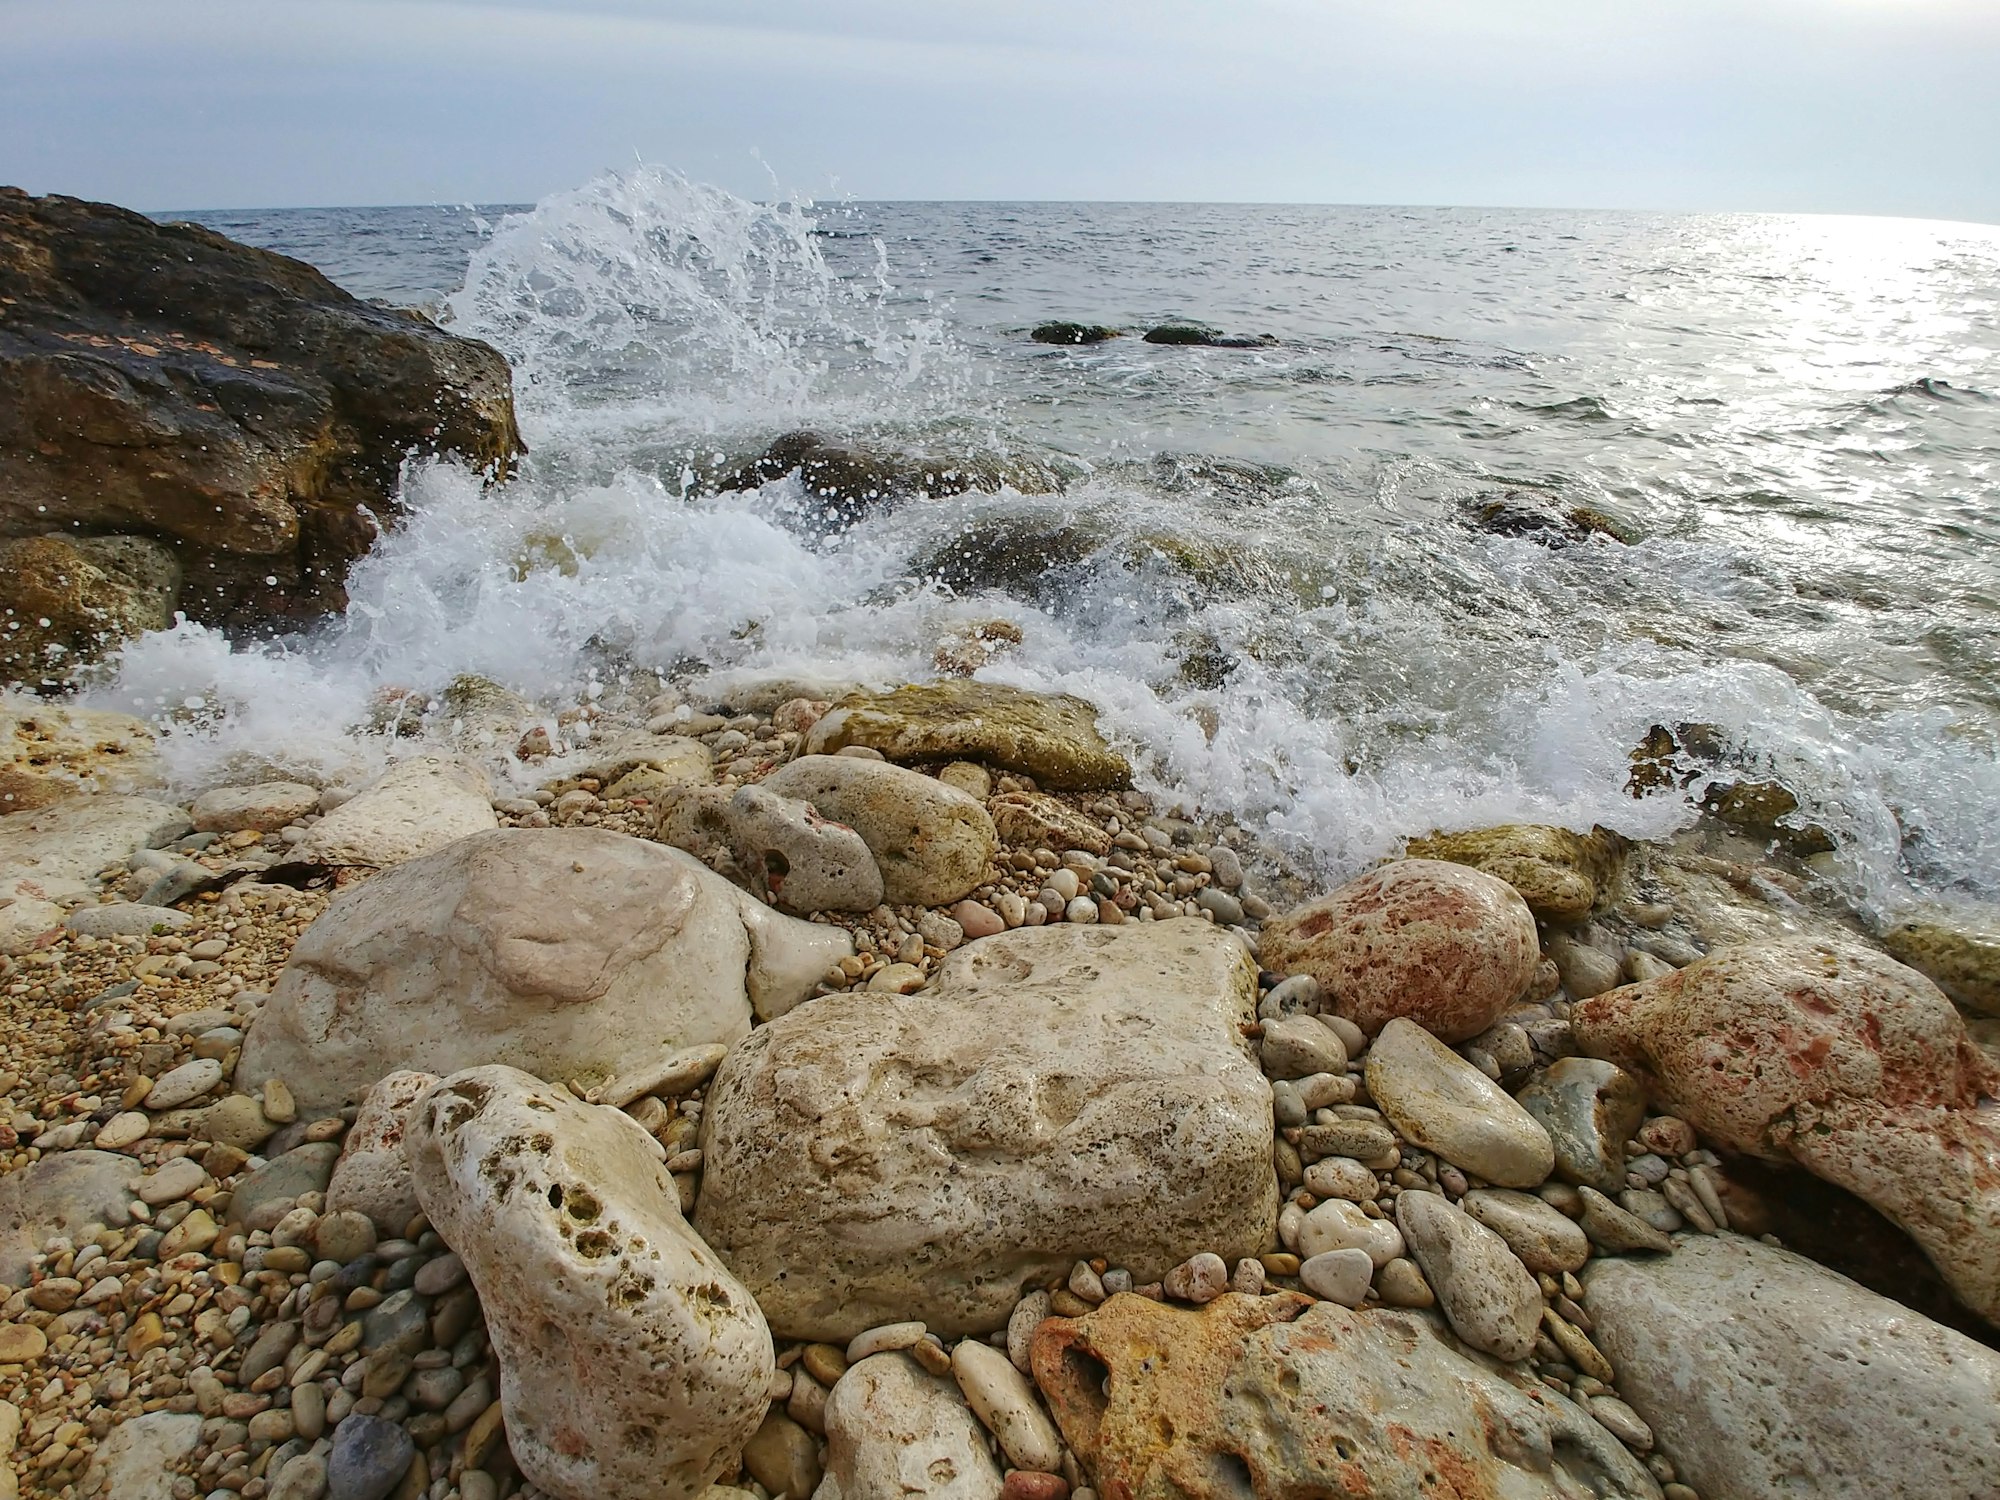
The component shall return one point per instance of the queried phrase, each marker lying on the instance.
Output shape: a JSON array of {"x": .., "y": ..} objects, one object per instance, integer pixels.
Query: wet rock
[
  {"x": 892, "y": 1429},
  {"x": 72, "y": 600},
  {"x": 415, "y": 808},
  {"x": 567, "y": 1222},
  {"x": 1280, "y": 1396},
  {"x": 1053, "y": 739},
  {"x": 575, "y": 953},
  {"x": 138, "y": 1459},
  {"x": 1057, "y": 1093},
  {"x": 1839, "y": 1058},
  {"x": 1543, "y": 1238},
  {"x": 1765, "y": 1376},
  {"x": 1442, "y": 1103},
  {"x": 1558, "y": 873},
  {"x": 1590, "y": 1110},
  {"x": 1072, "y": 333},
  {"x": 265, "y": 807},
  {"x": 228, "y": 400},
  {"x": 51, "y": 751},
  {"x": 846, "y": 482},
  {"x": 1201, "y": 335},
  {"x": 372, "y": 1177},
  {"x": 932, "y": 843},
  {"x": 58, "y": 1196},
  {"x": 1486, "y": 1293},
  {"x": 805, "y": 862},
  {"x": 1957, "y": 953},
  {"x": 1034, "y": 820},
  {"x": 1441, "y": 944}
]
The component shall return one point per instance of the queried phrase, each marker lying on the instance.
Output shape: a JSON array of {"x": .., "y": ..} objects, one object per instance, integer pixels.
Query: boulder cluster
[{"x": 811, "y": 1091}]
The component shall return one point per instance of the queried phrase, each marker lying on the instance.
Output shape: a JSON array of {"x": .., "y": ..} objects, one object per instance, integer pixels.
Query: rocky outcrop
[
  {"x": 1053, "y": 739},
  {"x": 1559, "y": 874},
  {"x": 1288, "y": 1399},
  {"x": 1061, "y": 332},
  {"x": 572, "y": 953},
  {"x": 932, "y": 843},
  {"x": 631, "y": 1362},
  {"x": 1058, "y": 1093},
  {"x": 1833, "y": 1055},
  {"x": 892, "y": 1429},
  {"x": 70, "y": 600},
  {"x": 415, "y": 807},
  {"x": 845, "y": 482},
  {"x": 1766, "y": 1377},
  {"x": 164, "y": 381},
  {"x": 49, "y": 752},
  {"x": 1443, "y": 944}
]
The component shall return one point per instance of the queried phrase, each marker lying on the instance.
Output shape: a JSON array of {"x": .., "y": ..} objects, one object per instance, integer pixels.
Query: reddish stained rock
[
  {"x": 1835, "y": 1056},
  {"x": 1284, "y": 1398},
  {"x": 1444, "y": 944}
]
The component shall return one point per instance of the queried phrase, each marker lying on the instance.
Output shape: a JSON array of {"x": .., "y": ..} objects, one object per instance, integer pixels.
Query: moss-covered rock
[
  {"x": 1559, "y": 874},
  {"x": 1960, "y": 958},
  {"x": 1053, "y": 739},
  {"x": 66, "y": 601},
  {"x": 1072, "y": 333}
]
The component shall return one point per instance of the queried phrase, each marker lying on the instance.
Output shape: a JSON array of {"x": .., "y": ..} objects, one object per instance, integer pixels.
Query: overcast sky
[{"x": 1856, "y": 106}]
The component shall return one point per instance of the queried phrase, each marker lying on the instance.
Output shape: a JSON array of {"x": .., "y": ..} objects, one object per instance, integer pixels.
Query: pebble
[
  {"x": 1199, "y": 1279},
  {"x": 897, "y": 979},
  {"x": 979, "y": 921},
  {"x": 1622, "y": 1423},
  {"x": 1339, "y": 1276},
  {"x": 783, "y": 1457},
  {"x": 370, "y": 1458},
  {"x": 21, "y": 1343},
  {"x": 1005, "y": 1403},
  {"x": 674, "y": 1074},
  {"x": 882, "y": 1339},
  {"x": 1440, "y": 1102},
  {"x": 1486, "y": 1293},
  {"x": 1082, "y": 909},
  {"x": 1401, "y": 1283},
  {"x": 1290, "y": 997},
  {"x": 1225, "y": 908},
  {"x": 1543, "y": 1238},
  {"x": 185, "y": 1084},
  {"x": 279, "y": 1106},
  {"x": 1341, "y": 1177},
  {"x": 1300, "y": 1046},
  {"x": 1021, "y": 1325},
  {"x": 121, "y": 1130},
  {"x": 1613, "y": 1230},
  {"x": 1027, "y": 1484},
  {"x": 1339, "y": 1225},
  {"x": 1364, "y": 1140}
]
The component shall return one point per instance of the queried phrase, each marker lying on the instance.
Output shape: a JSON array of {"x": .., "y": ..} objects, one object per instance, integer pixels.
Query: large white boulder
[
  {"x": 631, "y": 1362},
  {"x": 1767, "y": 1377},
  {"x": 1059, "y": 1092},
  {"x": 932, "y": 842},
  {"x": 415, "y": 807},
  {"x": 572, "y": 953}
]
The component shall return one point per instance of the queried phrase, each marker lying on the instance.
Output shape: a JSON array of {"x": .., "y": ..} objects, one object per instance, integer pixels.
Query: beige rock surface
[
  {"x": 893, "y": 1430},
  {"x": 59, "y": 1195},
  {"x": 265, "y": 806},
  {"x": 1442, "y": 1103},
  {"x": 931, "y": 841},
  {"x": 1559, "y": 874},
  {"x": 631, "y": 1362},
  {"x": 1443, "y": 944},
  {"x": 1058, "y": 1092},
  {"x": 50, "y": 751},
  {"x": 1053, "y": 739},
  {"x": 1486, "y": 1293},
  {"x": 1833, "y": 1055},
  {"x": 1767, "y": 1377},
  {"x": 1957, "y": 951},
  {"x": 414, "y": 808},
  {"x": 1287, "y": 1399},
  {"x": 572, "y": 953},
  {"x": 65, "y": 844}
]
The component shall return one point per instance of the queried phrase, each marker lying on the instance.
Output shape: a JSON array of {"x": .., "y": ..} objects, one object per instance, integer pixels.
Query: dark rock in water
[
  {"x": 1073, "y": 333},
  {"x": 1033, "y": 558},
  {"x": 1206, "y": 337},
  {"x": 1523, "y": 516},
  {"x": 73, "y": 598},
  {"x": 228, "y": 401},
  {"x": 851, "y": 482}
]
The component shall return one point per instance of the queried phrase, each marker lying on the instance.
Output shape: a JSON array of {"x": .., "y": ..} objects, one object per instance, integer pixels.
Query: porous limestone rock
[
  {"x": 1541, "y": 1236},
  {"x": 1284, "y": 1398},
  {"x": 50, "y": 751},
  {"x": 631, "y": 1362},
  {"x": 1833, "y": 1055},
  {"x": 1956, "y": 951},
  {"x": 1486, "y": 1293},
  {"x": 1057, "y": 1093},
  {"x": 373, "y": 1176},
  {"x": 931, "y": 841},
  {"x": 414, "y": 808},
  {"x": 1053, "y": 739},
  {"x": 68, "y": 601},
  {"x": 1767, "y": 1377},
  {"x": 1035, "y": 820},
  {"x": 61, "y": 847},
  {"x": 1559, "y": 874},
  {"x": 1446, "y": 945},
  {"x": 59, "y": 1195},
  {"x": 806, "y": 863},
  {"x": 892, "y": 1429},
  {"x": 1442, "y": 1103},
  {"x": 265, "y": 807},
  {"x": 575, "y": 953},
  {"x": 137, "y": 1460}
]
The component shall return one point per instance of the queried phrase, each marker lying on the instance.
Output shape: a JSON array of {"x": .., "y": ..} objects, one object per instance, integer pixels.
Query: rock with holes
[
  {"x": 1767, "y": 1377},
  {"x": 1284, "y": 1398},
  {"x": 1057, "y": 1093},
  {"x": 1053, "y": 739},
  {"x": 931, "y": 841},
  {"x": 894, "y": 1429},
  {"x": 802, "y": 861},
  {"x": 1560, "y": 874},
  {"x": 574, "y": 953},
  {"x": 1445, "y": 945},
  {"x": 49, "y": 751},
  {"x": 631, "y": 1362},
  {"x": 1833, "y": 1055}
]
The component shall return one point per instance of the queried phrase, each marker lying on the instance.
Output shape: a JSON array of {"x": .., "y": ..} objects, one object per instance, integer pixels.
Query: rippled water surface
[{"x": 1352, "y": 552}]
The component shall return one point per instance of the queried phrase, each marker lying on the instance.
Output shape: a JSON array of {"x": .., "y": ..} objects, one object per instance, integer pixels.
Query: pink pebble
[{"x": 978, "y": 921}]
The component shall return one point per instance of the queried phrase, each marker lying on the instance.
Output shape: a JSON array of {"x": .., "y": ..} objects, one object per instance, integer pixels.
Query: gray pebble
[{"x": 370, "y": 1457}]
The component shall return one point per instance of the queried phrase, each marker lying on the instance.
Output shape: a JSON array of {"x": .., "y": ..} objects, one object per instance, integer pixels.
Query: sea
[{"x": 1478, "y": 497}]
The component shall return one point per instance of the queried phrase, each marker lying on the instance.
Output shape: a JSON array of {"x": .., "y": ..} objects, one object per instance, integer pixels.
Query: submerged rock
[
  {"x": 1072, "y": 333},
  {"x": 1837, "y": 1057},
  {"x": 1202, "y": 335},
  {"x": 571, "y": 952},
  {"x": 1766, "y": 1377},
  {"x": 1442, "y": 944},
  {"x": 73, "y": 599},
  {"x": 631, "y": 1362},
  {"x": 1058, "y": 1092},
  {"x": 1559, "y": 874},
  {"x": 231, "y": 401},
  {"x": 1053, "y": 739},
  {"x": 932, "y": 842},
  {"x": 850, "y": 481},
  {"x": 1283, "y": 1398}
]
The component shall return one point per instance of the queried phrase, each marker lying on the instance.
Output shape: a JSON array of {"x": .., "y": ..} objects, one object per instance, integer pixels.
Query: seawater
[{"x": 1794, "y": 418}]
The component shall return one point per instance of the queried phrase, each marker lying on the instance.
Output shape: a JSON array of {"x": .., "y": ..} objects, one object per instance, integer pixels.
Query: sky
[{"x": 1843, "y": 106}]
